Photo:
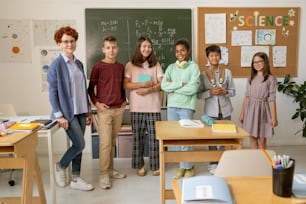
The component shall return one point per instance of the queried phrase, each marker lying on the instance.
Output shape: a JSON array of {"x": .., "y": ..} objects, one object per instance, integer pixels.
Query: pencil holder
[{"x": 282, "y": 180}]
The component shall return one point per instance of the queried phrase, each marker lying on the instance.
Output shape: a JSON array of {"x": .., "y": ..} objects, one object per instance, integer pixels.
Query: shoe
[
  {"x": 212, "y": 168},
  {"x": 156, "y": 172},
  {"x": 60, "y": 175},
  {"x": 189, "y": 172},
  {"x": 104, "y": 182},
  {"x": 179, "y": 173},
  {"x": 117, "y": 175},
  {"x": 80, "y": 184},
  {"x": 142, "y": 171}
]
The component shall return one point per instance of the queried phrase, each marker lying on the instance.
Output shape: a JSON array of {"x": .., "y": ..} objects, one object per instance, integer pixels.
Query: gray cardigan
[{"x": 59, "y": 89}]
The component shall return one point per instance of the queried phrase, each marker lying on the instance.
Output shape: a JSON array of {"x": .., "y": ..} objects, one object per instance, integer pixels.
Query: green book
[{"x": 144, "y": 77}]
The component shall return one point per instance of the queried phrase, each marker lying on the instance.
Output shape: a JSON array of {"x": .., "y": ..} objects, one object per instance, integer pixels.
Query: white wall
[{"x": 20, "y": 83}]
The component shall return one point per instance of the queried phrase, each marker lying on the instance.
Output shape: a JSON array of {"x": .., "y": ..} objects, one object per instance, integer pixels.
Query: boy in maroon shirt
[{"x": 108, "y": 95}]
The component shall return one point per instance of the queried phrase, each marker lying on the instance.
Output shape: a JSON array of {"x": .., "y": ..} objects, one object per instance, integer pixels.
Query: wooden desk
[
  {"x": 170, "y": 133},
  {"x": 48, "y": 134},
  {"x": 250, "y": 190},
  {"x": 23, "y": 148}
]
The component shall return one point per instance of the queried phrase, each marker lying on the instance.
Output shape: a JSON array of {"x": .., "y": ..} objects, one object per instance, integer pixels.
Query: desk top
[
  {"x": 171, "y": 130},
  {"x": 250, "y": 190},
  {"x": 11, "y": 139}
]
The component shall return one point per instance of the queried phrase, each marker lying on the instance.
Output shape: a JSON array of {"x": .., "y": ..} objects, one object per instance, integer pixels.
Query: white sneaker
[
  {"x": 80, "y": 184},
  {"x": 60, "y": 175},
  {"x": 212, "y": 168}
]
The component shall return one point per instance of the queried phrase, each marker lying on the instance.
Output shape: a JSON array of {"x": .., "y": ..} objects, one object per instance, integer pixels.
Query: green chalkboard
[{"x": 162, "y": 26}]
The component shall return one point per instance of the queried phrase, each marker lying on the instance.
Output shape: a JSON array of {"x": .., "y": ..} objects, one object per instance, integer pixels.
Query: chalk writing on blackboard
[{"x": 162, "y": 26}]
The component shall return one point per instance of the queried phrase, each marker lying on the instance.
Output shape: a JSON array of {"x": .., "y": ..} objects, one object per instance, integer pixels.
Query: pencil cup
[{"x": 282, "y": 180}]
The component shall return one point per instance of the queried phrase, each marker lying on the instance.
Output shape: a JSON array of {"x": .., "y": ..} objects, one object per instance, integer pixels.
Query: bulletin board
[{"x": 243, "y": 31}]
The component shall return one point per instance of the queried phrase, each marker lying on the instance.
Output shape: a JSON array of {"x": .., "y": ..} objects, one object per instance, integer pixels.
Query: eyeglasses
[
  {"x": 66, "y": 42},
  {"x": 258, "y": 62}
]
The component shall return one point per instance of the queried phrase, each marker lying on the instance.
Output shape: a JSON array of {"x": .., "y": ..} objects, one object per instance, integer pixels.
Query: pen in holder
[{"x": 208, "y": 120}]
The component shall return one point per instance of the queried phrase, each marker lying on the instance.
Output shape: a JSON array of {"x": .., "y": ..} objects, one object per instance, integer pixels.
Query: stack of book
[
  {"x": 224, "y": 127},
  {"x": 24, "y": 127}
]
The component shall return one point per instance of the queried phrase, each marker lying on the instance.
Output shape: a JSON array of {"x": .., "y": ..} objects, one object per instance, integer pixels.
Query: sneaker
[
  {"x": 60, "y": 175},
  {"x": 104, "y": 182},
  {"x": 189, "y": 172},
  {"x": 117, "y": 175},
  {"x": 212, "y": 168},
  {"x": 156, "y": 172},
  {"x": 179, "y": 173},
  {"x": 142, "y": 171},
  {"x": 80, "y": 184}
]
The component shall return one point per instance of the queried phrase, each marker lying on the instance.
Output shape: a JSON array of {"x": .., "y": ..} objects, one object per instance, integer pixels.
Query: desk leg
[
  {"x": 51, "y": 168},
  {"x": 162, "y": 171},
  {"x": 40, "y": 185},
  {"x": 27, "y": 183}
]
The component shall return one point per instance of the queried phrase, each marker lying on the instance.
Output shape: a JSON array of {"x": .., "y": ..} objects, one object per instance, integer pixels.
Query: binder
[{"x": 24, "y": 127}]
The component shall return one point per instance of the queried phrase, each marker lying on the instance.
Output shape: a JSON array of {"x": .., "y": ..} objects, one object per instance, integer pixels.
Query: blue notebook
[
  {"x": 206, "y": 189},
  {"x": 299, "y": 185},
  {"x": 144, "y": 77}
]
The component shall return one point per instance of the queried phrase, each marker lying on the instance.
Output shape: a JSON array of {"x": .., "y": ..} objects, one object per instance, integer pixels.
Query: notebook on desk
[
  {"x": 299, "y": 185},
  {"x": 206, "y": 189},
  {"x": 24, "y": 127}
]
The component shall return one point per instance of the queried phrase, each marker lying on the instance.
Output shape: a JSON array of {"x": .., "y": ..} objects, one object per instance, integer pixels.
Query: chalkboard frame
[{"x": 176, "y": 24}]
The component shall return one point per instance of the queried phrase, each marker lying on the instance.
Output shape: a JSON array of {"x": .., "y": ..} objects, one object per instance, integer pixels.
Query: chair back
[
  {"x": 244, "y": 162},
  {"x": 7, "y": 110}
]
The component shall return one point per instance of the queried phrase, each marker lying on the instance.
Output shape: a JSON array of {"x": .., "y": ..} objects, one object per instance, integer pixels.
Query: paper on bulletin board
[
  {"x": 247, "y": 53},
  {"x": 265, "y": 36},
  {"x": 215, "y": 28},
  {"x": 279, "y": 56},
  {"x": 241, "y": 37}
]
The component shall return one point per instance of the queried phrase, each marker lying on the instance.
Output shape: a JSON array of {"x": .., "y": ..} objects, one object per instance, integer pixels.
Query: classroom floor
[{"x": 132, "y": 190}]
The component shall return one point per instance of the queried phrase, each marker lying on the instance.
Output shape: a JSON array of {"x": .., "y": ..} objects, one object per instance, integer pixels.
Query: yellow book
[
  {"x": 24, "y": 127},
  {"x": 224, "y": 127}
]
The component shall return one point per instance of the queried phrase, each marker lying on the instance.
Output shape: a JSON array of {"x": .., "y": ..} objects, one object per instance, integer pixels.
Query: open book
[
  {"x": 206, "y": 189},
  {"x": 299, "y": 185},
  {"x": 188, "y": 123}
]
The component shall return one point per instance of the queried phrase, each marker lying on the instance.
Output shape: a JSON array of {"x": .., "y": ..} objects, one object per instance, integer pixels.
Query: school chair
[{"x": 244, "y": 162}]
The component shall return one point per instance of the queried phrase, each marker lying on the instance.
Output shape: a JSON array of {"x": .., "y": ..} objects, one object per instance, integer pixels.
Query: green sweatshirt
[{"x": 180, "y": 96}]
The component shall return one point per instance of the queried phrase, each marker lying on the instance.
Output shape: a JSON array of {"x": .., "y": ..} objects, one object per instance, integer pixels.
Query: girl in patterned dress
[{"x": 258, "y": 115}]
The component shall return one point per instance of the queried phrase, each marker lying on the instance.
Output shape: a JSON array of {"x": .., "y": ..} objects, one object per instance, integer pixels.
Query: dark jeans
[{"x": 75, "y": 133}]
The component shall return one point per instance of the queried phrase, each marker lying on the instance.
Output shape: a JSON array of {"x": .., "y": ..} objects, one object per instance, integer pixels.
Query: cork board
[{"x": 243, "y": 31}]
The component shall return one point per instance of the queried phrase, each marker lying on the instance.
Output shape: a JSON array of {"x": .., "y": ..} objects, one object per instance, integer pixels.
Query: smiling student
[
  {"x": 181, "y": 82},
  {"x": 216, "y": 88},
  {"x": 108, "y": 95},
  {"x": 258, "y": 114},
  {"x": 143, "y": 76}
]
